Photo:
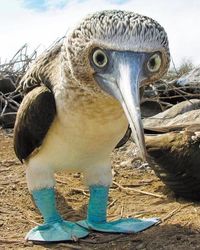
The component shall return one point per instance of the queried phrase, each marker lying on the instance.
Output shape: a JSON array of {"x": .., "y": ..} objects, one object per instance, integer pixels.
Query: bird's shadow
[
  {"x": 67, "y": 211},
  {"x": 155, "y": 238}
]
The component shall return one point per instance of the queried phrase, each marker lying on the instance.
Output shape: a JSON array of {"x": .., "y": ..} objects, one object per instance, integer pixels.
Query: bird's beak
[{"x": 123, "y": 81}]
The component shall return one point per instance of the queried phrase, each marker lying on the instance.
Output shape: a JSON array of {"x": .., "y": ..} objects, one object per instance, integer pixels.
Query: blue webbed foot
[
  {"x": 96, "y": 215},
  {"x": 129, "y": 225},
  {"x": 54, "y": 228},
  {"x": 57, "y": 231}
]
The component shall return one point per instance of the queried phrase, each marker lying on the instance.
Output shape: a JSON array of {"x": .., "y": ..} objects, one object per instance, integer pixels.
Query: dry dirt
[{"x": 180, "y": 227}]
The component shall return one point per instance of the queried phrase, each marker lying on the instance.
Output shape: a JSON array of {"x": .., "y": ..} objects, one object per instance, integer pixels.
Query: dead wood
[{"x": 11, "y": 73}]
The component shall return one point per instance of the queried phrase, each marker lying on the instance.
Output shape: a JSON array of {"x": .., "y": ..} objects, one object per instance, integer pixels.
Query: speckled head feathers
[
  {"x": 117, "y": 30},
  {"x": 112, "y": 30},
  {"x": 121, "y": 30}
]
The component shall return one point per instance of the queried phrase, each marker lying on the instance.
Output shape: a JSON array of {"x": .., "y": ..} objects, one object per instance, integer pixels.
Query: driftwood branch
[{"x": 11, "y": 73}]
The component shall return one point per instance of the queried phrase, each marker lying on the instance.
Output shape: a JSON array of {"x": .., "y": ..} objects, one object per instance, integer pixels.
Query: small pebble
[{"x": 141, "y": 246}]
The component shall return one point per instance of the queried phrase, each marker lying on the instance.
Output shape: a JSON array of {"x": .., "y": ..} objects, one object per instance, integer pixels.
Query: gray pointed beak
[
  {"x": 123, "y": 82},
  {"x": 129, "y": 85}
]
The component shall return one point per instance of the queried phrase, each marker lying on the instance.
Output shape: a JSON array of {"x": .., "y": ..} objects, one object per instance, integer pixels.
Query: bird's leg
[
  {"x": 54, "y": 228},
  {"x": 96, "y": 215}
]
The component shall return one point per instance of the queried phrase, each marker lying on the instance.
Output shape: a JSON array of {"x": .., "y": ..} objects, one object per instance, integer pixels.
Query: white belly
[{"x": 81, "y": 139}]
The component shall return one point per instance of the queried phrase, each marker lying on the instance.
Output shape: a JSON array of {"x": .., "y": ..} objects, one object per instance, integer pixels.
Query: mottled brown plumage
[
  {"x": 43, "y": 71},
  {"x": 173, "y": 150}
]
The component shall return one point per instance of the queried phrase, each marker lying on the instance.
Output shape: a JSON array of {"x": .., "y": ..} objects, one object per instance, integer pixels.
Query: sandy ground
[{"x": 180, "y": 227}]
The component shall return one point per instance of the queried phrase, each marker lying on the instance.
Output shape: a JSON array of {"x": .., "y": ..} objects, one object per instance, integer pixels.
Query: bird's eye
[
  {"x": 99, "y": 58},
  {"x": 154, "y": 63}
]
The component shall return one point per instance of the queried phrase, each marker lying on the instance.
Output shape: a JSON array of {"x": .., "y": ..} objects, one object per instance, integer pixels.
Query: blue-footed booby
[{"x": 79, "y": 99}]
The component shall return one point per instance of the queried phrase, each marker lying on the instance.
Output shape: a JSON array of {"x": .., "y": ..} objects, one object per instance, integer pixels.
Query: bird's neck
[
  {"x": 75, "y": 100},
  {"x": 93, "y": 119}
]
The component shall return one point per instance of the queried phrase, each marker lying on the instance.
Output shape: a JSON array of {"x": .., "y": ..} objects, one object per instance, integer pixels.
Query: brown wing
[
  {"x": 34, "y": 118},
  {"x": 175, "y": 158},
  {"x": 42, "y": 71}
]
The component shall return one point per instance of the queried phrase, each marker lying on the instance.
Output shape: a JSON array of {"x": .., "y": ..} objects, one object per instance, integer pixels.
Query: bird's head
[{"x": 115, "y": 53}]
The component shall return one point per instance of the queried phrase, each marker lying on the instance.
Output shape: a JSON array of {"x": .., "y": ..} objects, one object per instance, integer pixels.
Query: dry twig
[
  {"x": 112, "y": 203},
  {"x": 70, "y": 246},
  {"x": 138, "y": 191},
  {"x": 103, "y": 241},
  {"x": 173, "y": 212},
  {"x": 9, "y": 241},
  {"x": 79, "y": 190}
]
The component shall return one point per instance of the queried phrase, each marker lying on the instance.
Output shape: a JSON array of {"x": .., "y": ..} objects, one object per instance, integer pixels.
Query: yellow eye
[
  {"x": 100, "y": 58},
  {"x": 154, "y": 63}
]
